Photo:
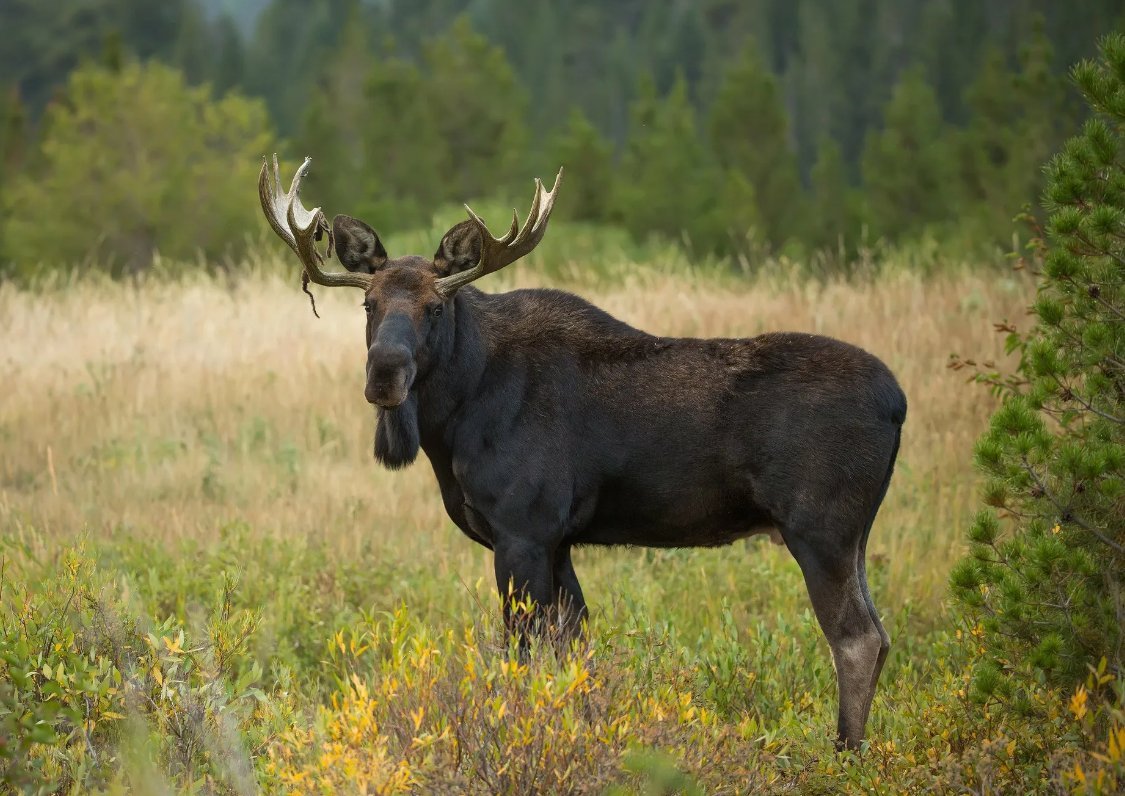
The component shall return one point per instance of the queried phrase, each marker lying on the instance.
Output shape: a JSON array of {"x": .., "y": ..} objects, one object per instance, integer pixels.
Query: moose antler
[
  {"x": 499, "y": 252},
  {"x": 300, "y": 228}
]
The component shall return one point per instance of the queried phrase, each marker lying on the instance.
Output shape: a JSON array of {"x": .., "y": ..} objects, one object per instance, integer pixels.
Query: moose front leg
[
  {"x": 568, "y": 595},
  {"x": 524, "y": 572}
]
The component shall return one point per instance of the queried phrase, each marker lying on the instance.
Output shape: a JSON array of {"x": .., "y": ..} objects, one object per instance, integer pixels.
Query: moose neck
[{"x": 457, "y": 362}]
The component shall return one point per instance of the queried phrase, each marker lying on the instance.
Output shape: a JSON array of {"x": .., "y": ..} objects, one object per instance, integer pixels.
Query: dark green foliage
[
  {"x": 666, "y": 175},
  {"x": 1014, "y": 125},
  {"x": 749, "y": 132},
  {"x": 478, "y": 111},
  {"x": 409, "y": 106},
  {"x": 834, "y": 218},
  {"x": 45, "y": 40},
  {"x": 1047, "y": 570},
  {"x": 588, "y": 160},
  {"x": 905, "y": 165},
  {"x": 394, "y": 139},
  {"x": 133, "y": 162},
  {"x": 12, "y": 147}
]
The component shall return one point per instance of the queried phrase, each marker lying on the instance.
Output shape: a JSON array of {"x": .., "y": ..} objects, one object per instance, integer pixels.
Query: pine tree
[
  {"x": 668, "y": 180},
  {"x": 750, "y": 135},
  {"x": 334, "y": 124},
  {"x": 12, "y": 142},
  {"x": 906, "y": 165},
  {"x": 403, "y": 145},
  {"x": 192, "y": 50},
  {"x": 1015, "y": 120},
  {"x": 833, "y": 216},
  {"x": 1046, "y": 584},
  {"x": 588, "y": 160},
  {"x": 227, "y": 67},
  {"x": 479, "y": 111},
  {"x": 292, "y": 42},
  {"x": 1040, "y": 90}
]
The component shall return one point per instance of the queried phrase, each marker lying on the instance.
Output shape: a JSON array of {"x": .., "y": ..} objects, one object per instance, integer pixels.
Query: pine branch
[{"x": 1066, "y": 510}]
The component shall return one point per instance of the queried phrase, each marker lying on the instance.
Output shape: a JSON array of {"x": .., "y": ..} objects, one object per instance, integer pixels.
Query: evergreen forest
[{"x": 738, "y": 128}]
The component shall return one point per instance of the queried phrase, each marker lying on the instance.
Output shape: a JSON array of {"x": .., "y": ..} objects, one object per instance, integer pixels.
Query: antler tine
[
  {"x": 517, "y": 242},
  {"x": 300, "y": 228}
]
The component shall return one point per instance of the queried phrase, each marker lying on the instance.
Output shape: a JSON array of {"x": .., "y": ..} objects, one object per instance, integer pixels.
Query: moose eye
[
  {"x": 368, "y": 307},
  {"x": 436, "y": 311}
]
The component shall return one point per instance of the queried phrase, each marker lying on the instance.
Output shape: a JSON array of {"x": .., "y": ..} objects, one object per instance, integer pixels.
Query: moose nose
[
  {"x": 387, "y": 370},
  {"x": 387, "y": 360}
]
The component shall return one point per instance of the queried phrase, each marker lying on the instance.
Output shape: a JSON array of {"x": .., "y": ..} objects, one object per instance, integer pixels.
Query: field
[{"x": 230, "y": 594}]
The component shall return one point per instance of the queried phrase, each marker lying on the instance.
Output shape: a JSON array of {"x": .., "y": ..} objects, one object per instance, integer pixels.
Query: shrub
[
  {"x": 84, "y": 677},
  {"x": 1045, "y": 577}
]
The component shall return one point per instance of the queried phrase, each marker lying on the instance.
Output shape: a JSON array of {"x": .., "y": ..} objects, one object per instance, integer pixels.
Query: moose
[{"x": 550, "y": 424}]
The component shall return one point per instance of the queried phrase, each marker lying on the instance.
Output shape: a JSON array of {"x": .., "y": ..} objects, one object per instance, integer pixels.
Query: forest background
[{"x": 740, "y": 128}]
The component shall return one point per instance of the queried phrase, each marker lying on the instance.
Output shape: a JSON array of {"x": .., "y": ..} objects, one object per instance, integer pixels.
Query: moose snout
[{"x": 390, "y": 372}]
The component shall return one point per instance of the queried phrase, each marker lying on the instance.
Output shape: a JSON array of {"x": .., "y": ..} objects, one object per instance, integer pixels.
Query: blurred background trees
[
  {"x": 134, "y": 160},
  {"x": 797, "y": 125}
]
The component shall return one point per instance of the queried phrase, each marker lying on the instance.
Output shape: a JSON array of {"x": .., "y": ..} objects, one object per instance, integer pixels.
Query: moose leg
[
  {"x": 834, "y": 583},
  {"x": 523, "y": 572},
  {"x": 568, "y": 595},
  {"x": 884, "y": 637}
]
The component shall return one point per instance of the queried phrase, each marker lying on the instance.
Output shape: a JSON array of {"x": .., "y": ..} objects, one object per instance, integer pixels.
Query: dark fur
[{"x": 549, "y": 424}]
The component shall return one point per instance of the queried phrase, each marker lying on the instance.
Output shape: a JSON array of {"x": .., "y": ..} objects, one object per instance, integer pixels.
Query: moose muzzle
[{"x": 390, "y": 374}]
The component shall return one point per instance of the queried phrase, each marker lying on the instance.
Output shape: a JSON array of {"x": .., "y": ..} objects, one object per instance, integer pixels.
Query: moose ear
[
  {"x": 357, "y": 245},
  {"x": 459, "y": 250}
]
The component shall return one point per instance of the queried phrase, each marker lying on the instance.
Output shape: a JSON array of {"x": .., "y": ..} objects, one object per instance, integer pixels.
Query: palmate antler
[
  {"x": 499, "y": 252},
  {"x": 301, "y": 228}
]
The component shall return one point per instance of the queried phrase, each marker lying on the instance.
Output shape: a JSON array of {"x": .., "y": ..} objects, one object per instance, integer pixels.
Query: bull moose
[{"x": 549, "y": 424}]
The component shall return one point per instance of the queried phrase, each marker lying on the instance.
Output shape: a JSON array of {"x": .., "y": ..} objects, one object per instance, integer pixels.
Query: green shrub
[
  {"x": 1045, "y": 578},
  {"x": 85, "y": 677}
]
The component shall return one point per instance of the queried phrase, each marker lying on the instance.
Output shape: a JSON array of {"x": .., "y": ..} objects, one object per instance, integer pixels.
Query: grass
[{"x": 186, "y": 479}]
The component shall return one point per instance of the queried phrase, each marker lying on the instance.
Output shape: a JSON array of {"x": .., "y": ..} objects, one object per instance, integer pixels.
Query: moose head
[{"x": 408, "y": 300}]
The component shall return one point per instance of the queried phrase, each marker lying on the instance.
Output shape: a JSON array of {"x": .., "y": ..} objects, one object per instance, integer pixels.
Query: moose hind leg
[
  {"x": 836, "y": 588},
  {"x": 884, "y": 637}
]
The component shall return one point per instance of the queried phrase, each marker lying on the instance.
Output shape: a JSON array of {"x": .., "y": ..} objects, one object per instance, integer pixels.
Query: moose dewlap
[{"x": 549, "y": 424}]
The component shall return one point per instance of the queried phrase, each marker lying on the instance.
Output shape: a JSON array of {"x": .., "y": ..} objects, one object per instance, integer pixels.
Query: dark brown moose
[{"x": 550, "y": 424}]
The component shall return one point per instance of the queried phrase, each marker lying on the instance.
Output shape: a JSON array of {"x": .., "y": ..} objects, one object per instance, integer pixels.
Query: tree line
[{"x": 735, "y": 126}]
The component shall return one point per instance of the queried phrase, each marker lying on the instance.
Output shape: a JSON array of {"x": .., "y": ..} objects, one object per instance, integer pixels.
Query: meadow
[{"x": 207, "y": 575}]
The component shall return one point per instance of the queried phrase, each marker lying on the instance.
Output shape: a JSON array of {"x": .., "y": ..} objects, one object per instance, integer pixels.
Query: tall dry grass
[{"x": 169, "y": 410}]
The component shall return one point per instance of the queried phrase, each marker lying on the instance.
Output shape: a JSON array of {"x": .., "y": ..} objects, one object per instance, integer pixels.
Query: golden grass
[{"x": 169, "y": 410}]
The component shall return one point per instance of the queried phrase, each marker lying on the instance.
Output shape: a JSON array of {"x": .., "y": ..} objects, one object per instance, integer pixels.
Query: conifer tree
[
  {"x": 334, "y": 121},
  {"x": 667, "y": 177},
  {"x": 479, "y": 112},
  {"x": 833, "y": 218},
  {"x": 588, "y": 160},
  {"x": 227, "y": 68},
  {"x": 403, "y": 145},
  {"x": 989, "y": 181},
  {"x": 12, "y": 142},
  {"x": 906, "y": 165},
  {"x": 1046, "y": 573},
  {"x": 750, "y": 135},
  {"x": 1015, "y": 120}
]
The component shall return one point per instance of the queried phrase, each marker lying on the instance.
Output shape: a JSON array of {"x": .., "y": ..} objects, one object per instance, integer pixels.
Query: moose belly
[{"x": 628, "y": 514}]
